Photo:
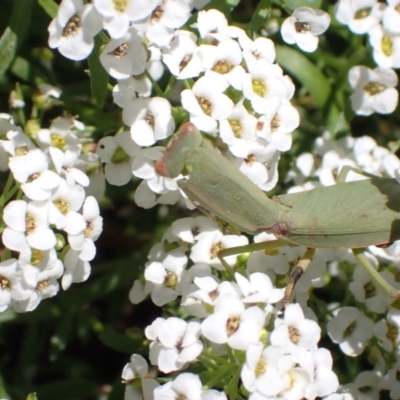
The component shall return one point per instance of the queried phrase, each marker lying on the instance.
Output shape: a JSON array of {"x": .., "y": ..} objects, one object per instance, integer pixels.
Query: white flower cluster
[
  {"x": 351, "y": 328},
  {"x": 51, "y": 198},
  {"x": 374, "y": 90},
  {"x": 282, "y": 359},
  {"x": 239, "y": 91}
]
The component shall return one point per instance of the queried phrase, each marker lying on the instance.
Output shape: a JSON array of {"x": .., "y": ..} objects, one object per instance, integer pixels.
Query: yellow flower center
[
  {"x": 373, "y": 88},
  {"x": 72, "y": 27},
  {"x": 236, "y": 127},
  {"x": 62, "y": 206},
  {"x": 259, "y": 87},
  {"x": 36, "y": 256},
  {"x": 362, "y": 13},
  {"x": 223, "y": 67},
  {"x": 42, "y": 285},
  {"x": 30, "y": 224},
  {"x": 4, "y": 283},
  {"x": 302, "y": 27},
  {"x": 120, "y": 5},
  {"x": 120, "y": 51},
  {"x": 205, "y": 105},
  {"x": 261, "y": 367},
  {"x": 387, "y": 46},
  {"x": 171, "y": 280},
  {"x": 57, "y": 141},
  {"x": 215, "y": 249},
  {"x": 294, "y": 335},
  {"x": 232, "y": 325}
]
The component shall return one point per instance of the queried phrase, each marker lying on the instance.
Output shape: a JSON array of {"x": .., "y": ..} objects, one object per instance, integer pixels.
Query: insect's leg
[
  {"x": 375, "y": 275},
  {"x": 344, "y": 172},
  {"x": 232, "y": 251},
  {"x": 296, "y": 274}
]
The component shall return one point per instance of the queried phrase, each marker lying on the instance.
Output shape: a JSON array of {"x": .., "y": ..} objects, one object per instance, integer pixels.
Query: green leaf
[
  {"x": 70, "y": 389},
  {"x": 260, "y": 15},
  {"x": 50, "y": 6},
  {"x": 293, "y": 4},
  {"x": 60, "y": 338},
  {"x": 119, "y": 342},
  {"x": 300, "y": 67},
  {"x": 98, "y": 75},
  {"x": 13, "y": 34}
]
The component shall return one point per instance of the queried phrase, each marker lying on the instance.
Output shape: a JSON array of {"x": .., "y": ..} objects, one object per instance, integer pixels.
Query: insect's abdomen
[{"x": 351, "y": 214}]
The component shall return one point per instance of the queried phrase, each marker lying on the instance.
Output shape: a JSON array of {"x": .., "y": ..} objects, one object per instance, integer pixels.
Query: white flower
[
  {"x": 387, "y": 330},
  {"x": 206, "y": 102},
  {"x": 12, "y": 286},
  {"x": 351, "y": 329},
  {"x": 74, "y": 28},
  {"x": 177, "y": 344},
  {"x": 119, "y": 14},
  {"x": 265, "y": 80},
  {"x": 124, "y": 57},
  {"x": 185, "y": 386},
  {"x": 180, "y": 57},
  {"x": 138, "y": 369},
  {"x": 32, "y": 171},
  {"x": 32, "y": 262},
  {"x": 64, "y": 162},
  {"x": 169, "y": 277},
  {"x": 258, "y": 289},
  {"x": 391, "y": 382},
  {"x": 63, "y": 134},
  {"x": 252, "y": 51},
  {"x": 83, "y": 241},
  {"x": 223, "y": 59},
  {"x": 63, "y": 207},
  {"x": 238, "y": 130},
  {"x": 118, "y": 152},
  {"x": 213, "y": 26},
  {"x": 323, "y": 380},
  {"x": 359, "y": 15},
  {"x": 210, "y": 243},
  {"x": 27, "y": 225},
  {"x": 280, "y": 119},
  {"x": 386, "y": 47},
  {"x": 374, "y": 90},
  {"x": 189, "y": 229},
  {"x": 263, "y": 369},
  {"x": 391, "y": 16},
  {"x": 295, "y": 333},
  {"x": 367, "y": 385},
  {"x": 160, "y": 25},
  {"x": 231, "y": 323},
  {"x": 260, "y": 165},
  {"x": 304, "y": 26},
  {"x": 46, "y": 287},
  {"x": 76, "y": 270},
  {"x": 367, "y": 291},
  {"x": 146, "y": 194},
  {"x": 149, "y": 119}
]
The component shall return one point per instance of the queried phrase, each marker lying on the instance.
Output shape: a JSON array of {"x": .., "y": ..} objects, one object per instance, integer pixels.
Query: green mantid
[{"x": 346, "y": 215}]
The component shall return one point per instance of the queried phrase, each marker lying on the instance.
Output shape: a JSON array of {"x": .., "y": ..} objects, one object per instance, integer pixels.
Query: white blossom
[
  {"x": 304, "y": 26},
  {"x": 351, "y": 330},
  {"x": 74, "y": 28},
  {"x": 359, "y": 15},
  {"x": 150, "y": 120},
  {"x": 374, "y": 90},
  {"x": 176, "y": 343}
]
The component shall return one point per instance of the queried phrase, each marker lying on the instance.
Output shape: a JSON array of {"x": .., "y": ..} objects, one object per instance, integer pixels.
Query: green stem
[{"x": 155, "y": 84}]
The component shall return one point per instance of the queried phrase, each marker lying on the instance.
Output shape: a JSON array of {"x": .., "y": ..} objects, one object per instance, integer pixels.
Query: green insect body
[{"x": 347, "y": 215}]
